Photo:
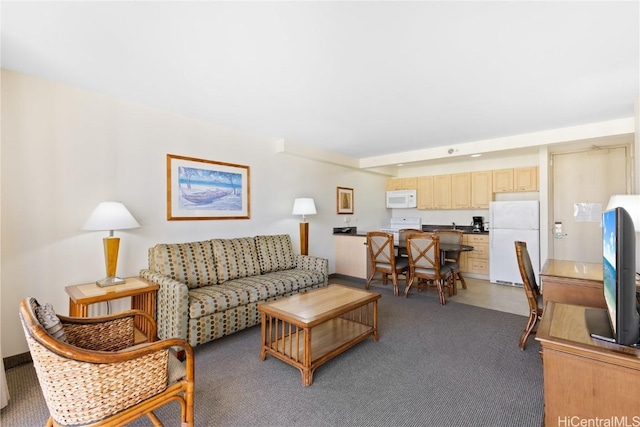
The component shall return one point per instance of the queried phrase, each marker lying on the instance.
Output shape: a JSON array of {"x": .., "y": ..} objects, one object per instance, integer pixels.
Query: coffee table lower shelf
[{"x": 308, "y": 348}]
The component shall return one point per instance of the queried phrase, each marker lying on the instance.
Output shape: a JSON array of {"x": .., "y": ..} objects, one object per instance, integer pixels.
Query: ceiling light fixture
[{"x": 476, "y": 155}]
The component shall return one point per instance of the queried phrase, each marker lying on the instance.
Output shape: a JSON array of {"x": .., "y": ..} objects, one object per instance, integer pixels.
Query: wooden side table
[{"x": 142, "y": 293}]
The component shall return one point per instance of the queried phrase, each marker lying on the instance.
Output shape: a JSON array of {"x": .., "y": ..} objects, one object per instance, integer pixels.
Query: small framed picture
[{"x": 344, "y": 201}]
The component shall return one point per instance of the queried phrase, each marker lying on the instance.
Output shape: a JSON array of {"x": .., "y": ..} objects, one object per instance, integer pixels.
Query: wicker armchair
[{"x": 91, "y": 373}]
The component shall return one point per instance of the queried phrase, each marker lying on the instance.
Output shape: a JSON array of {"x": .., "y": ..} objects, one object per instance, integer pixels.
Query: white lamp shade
[
  {"x": 304, "y": 206},
  {"x": 630, "y": 203},
  {"x": 110, "y": 216}
]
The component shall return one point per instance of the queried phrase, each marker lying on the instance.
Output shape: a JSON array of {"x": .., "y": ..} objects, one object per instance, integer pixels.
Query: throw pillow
[{"x": 50, "y": 322}]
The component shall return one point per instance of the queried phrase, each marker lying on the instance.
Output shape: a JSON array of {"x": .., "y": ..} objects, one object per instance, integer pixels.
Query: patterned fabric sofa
[{"x": 212, "y": 288}]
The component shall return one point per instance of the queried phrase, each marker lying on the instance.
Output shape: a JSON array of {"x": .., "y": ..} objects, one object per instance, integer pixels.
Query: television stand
[
  {"x": 598, "y": 324},
  {"x": 583, "y": 376}
]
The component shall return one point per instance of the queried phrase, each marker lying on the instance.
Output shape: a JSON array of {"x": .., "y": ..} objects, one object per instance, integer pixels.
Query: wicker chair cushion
[
  {"x": 235, "y": 258},
  {"x": 176, "y": 370},
  {"x": 275, "y": 253},
  {"x": 50, "y": 322}
]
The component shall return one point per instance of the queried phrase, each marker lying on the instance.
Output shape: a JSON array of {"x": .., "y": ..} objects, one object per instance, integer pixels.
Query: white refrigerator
[{"x": 510, "y": 222}]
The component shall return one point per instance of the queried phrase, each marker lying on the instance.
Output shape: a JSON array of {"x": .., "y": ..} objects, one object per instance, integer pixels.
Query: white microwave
[{"x": 401, "y": 199}]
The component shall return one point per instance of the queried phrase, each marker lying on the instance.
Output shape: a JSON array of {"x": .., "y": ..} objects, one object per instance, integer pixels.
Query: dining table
[{"x": 444, "y": 249}]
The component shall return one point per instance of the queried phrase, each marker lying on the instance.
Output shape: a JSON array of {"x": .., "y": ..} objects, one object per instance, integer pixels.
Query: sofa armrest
[
  {"x": 172, "y": 305},
  {"x": 306, "y": 262}
]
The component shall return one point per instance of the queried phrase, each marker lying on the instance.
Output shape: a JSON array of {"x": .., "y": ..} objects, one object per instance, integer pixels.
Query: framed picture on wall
[
  {"x": 205, "y": 189},
  {"x": 344, "y": 200}
]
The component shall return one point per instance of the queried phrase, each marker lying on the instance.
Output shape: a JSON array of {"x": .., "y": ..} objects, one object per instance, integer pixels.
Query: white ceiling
[{"x": 357, "y": 78}]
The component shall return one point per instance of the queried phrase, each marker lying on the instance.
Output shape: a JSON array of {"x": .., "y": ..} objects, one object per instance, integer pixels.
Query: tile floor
[{"x": 482, "y": 293}]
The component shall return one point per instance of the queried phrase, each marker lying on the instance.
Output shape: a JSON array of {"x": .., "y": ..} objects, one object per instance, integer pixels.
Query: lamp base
[
  {"x": 110, "y": 281},
  {"x": 304, "y": 238}
]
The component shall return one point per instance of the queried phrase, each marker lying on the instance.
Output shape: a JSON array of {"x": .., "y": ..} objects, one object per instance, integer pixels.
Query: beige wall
[{"x": 64, "y": 150}]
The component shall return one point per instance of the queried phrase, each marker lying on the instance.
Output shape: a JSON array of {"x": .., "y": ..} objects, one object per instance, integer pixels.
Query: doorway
[{"x": 582, "y": 184}]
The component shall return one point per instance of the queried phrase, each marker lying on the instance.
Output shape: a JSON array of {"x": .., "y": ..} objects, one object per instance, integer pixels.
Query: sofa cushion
[
  {"x": 295, "y": 278},
  {"x": 275, "y": 253},
  {"x": 212, "y": 299},
  {"x": 235, "y": 258},
  {"x": 190, "y": 263},
  {"x": 252, "y": 289},
  {"x": 262, "y": 287}
]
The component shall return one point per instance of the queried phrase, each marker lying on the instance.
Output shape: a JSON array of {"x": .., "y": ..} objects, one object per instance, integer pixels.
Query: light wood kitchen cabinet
[
  {"x": 402, "y": 184},
  {"x": 525, "y": 179},
  {"x": 481, "y": 189},
  {"x": 518, "y": 179},
  {"x": 442, "y": 192},
  {"x": 466, "y": 190},
  {"x": 425, "y": 192},
  {"x": 476, "y": 261},
  {"x": 351, "y": 256},
  {"x": 461, "y": 190},
  {"x": 502, "y": 180}
]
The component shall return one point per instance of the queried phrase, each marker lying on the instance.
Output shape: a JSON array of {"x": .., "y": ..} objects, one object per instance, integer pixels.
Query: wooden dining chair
[
  {"x": 425, "y": 269},
  {"x": 383, "y": 258},
  {"x": 534, "y": 297},
  {"x": 402, "y": 239},
  {"x": 453, "y": 258}
]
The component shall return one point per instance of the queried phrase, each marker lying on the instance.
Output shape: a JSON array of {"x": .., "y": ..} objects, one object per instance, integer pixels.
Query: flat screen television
[{"x": 619, "y": 269}]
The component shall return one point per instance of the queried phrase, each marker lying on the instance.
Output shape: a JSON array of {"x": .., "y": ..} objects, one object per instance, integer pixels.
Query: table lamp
[
  {"x": 304, "y": 206},
  {"x": 110, "y": 216}
]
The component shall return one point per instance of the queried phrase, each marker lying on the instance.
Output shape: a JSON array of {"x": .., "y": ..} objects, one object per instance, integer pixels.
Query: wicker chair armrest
[
  {"x": 70, "y": 351},
  {"x": 106, "y": 318}
]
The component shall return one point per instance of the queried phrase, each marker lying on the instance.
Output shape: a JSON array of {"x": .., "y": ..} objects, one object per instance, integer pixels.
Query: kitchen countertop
[
  {"x": 353, "y": 231},
  {"x": 466, "y": 229}
]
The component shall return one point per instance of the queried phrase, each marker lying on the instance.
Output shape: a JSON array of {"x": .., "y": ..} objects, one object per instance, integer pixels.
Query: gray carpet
[{"x": 433, "y": 366}]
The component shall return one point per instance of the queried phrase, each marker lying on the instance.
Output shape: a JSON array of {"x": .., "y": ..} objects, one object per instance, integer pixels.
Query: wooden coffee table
[{"x": 306, "y": 330}]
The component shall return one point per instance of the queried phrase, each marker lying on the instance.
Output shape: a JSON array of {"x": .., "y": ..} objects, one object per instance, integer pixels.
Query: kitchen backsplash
[{"x": 460, "y": 217}]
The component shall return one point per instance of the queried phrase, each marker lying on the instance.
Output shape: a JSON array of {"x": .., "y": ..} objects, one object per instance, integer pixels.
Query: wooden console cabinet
[
  {"x": 585, "y": 378},
  {"x": 352, "y": 258},
  {"x": 572, "y": 282}
]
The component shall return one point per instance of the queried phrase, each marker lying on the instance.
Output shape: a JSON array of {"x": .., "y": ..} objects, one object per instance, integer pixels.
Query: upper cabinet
[
  {"x": 442, "y": 192},
  {"x": 518, "y": 179},
  {"x": 525, "y": 179},
  {"x": 425, "y": 192},
  {"x": 503, "y": 180},
  {"x": 481, "y": 189},
  {"x": 461, "y": 190},
  {"x": 467, "y": 190},
  {"x": 402, "y": 184}
]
